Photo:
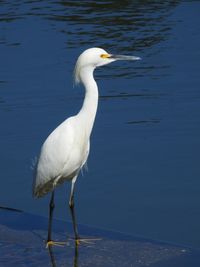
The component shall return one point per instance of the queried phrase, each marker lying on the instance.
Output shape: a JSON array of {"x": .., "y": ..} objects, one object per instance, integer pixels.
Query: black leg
[
  {"x": 51, "y": 208},
  {"x": 71, "y": 205},
  {"x": 78, "y": 240}
]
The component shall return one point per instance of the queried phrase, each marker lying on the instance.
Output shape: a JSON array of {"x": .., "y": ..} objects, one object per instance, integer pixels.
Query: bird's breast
[{"x": 78, "y": 156}]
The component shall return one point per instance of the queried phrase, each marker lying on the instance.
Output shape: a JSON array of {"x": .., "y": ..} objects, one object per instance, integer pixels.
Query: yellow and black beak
[
  {"x": 119, "y": 57},
  {"x": 105, "y": 56}
]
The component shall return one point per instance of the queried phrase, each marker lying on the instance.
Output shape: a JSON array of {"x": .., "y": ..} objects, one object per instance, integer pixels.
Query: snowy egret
[{"x": 66, "y": 149}]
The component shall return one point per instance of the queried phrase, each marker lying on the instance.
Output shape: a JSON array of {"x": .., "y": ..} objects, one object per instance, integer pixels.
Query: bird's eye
[{"x": 104, "y": 55}]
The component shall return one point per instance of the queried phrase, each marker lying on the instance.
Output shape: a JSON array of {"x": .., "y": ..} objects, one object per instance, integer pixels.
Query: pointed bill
[{"x": 122, "y": 57}]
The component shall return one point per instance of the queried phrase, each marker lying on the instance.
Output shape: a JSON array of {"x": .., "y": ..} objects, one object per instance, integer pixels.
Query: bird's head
[{"x": 96, "y": 57}]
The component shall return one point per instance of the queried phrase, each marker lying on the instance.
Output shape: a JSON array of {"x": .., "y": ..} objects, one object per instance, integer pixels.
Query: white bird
[{"x": 66, "y": 149}]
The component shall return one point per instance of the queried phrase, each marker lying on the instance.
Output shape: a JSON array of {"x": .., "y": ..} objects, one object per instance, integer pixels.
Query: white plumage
[
  {"x": 63, "y": 153},
  {"x": 66, "y": 149}
]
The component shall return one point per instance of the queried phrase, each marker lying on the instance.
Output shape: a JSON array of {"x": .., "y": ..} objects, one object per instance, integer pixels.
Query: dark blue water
[{"x": 144, "y": 168}]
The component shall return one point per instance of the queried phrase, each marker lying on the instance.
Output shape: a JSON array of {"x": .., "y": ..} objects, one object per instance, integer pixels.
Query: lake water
[{"x": 144, "y": 170}]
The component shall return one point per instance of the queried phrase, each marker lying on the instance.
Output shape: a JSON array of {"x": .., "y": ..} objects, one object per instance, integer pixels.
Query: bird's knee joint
[
  {"x": 71, "y": 203},
  {"x": 52, "y": 205}
]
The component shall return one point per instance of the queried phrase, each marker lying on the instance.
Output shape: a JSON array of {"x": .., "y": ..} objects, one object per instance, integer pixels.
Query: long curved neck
[{"x": 90, "y": 103}]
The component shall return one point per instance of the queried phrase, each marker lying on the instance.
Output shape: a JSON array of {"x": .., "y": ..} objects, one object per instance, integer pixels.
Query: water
[{"x": 144, "y": 169}]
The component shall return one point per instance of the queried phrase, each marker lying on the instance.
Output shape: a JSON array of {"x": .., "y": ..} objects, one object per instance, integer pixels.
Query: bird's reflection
[
  {"x": 53, "y": 258},
  {"x": 76, "y": 256}
]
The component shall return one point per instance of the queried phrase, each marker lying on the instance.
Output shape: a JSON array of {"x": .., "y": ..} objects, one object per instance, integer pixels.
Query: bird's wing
[{"x": 54, "y": 155}]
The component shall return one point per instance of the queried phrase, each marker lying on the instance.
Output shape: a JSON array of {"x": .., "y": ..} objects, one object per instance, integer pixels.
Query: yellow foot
[
  {"x": 55, "y": 243},
  {"x": 78, "y": 241}
]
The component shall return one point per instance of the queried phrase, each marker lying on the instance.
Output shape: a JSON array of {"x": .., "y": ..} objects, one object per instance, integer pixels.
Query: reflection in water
[
  {"x": 53, "y": 258},
  {"x": 119, "y": 26},
  {"x": 76, "y": 256},
  {"x": 135, "y": 24},
  {"x": 126, "y": 95},
  {"x": 144, "y": 121}
]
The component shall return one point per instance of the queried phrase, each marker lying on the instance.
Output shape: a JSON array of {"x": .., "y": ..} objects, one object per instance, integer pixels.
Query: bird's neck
[{"x": 90, "y": 103}]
